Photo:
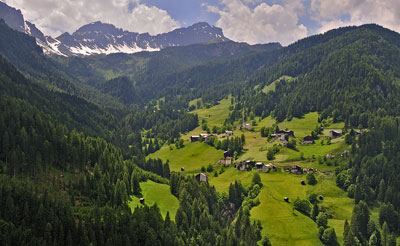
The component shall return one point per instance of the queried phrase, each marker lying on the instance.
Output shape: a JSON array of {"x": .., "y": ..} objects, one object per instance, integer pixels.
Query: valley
[
  {"x": 277, "y": 216},
  {"x": 187, "y": 137}
]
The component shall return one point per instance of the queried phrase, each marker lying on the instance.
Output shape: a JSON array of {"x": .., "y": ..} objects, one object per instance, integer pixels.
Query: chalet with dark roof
[
  {"x": 308, "y": 140},
  {"x": 202, "y": 177},
  {"x": 334, "y": 134},
  {"x": 194, "y": 138}
]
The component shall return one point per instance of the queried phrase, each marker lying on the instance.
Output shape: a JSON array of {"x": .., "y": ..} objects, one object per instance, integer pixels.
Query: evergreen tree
[
  {"x": 256, "y": 179},
  {"x": 329, "y": 237},
  {"x": 315, "y": 211}
]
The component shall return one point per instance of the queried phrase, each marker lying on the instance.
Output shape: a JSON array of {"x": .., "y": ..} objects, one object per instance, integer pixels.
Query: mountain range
[
  {"x": 78, "y": 134},
  {"x": 103, "y": 38}
]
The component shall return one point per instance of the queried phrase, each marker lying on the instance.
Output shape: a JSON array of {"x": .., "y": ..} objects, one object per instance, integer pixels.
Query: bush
[
  {"x": 313, "y": 198},
  {"x": 303, "y": 206},
  {"x": 322, "y": 220},
  {"x": 311, "y": 180},
  {"x": 329, "y": 237},
  {"x": 270, "y": 154},
  {"x": 257, "y": 179},
  {"x": 266, "y": 241}
]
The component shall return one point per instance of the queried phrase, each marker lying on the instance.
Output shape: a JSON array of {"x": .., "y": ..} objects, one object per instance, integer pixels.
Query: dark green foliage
[
  {"x": 314, "y": 211},
  {"x": 265, "y": 241},
  {"x": 372, "y": 174},
  {"x": 256, "y": 179},
  {"x": 359, "y": 221},
  {"x": 303, "y": 206},
  {"x": 322, "y": 220},
  {"x": 199, "y": 214},
  {"x": 329, "y": 237},
  {"x": 121, "y": 88},
  {"x": 311, "y": 180},
  {"x": 237, "y": 193},
  {"x": 348, "y": 74},
  {"x": 153, "y": 165},
  {"x": 231, "y": 144},
  {"x": 267, "y": 131},
  {"x": 272, "y": 151},
  {"x": 388, "y": 214}
]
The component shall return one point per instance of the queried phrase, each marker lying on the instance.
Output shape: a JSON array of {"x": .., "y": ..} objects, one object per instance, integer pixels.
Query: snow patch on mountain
[{"x": 103, "y": 38}]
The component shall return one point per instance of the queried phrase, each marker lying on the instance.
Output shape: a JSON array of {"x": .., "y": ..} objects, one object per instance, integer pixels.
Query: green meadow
[
  {"x": 272, "y": 86},
  {"x": 231, "y": 174},
  {"x": 280, "y": 222},
  {"x": 192, "y": 156},
  {"x": 157, "y": 193},
  {"x": 215, "y": 115}
]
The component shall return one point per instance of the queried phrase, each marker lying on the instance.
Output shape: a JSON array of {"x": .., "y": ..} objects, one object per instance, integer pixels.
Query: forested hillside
[
  {"x": 349, "y": 74},
  {"x": 62, "y": 187}
]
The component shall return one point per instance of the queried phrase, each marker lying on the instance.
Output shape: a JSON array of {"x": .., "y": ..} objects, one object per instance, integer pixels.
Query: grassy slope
[
  {"x": 301, "y": 126},
  {"x": 283, "y": 225},
  {"x": 157, "y": 193},
  {"x": 272, "y": 86},
  {"x": 216, "y": 115},
  {"x": 192, "y": 157},
  {"x": 231, "y": 174},
  {"x": 280, "y": 222},
  {"x": 256, "y": 145}
]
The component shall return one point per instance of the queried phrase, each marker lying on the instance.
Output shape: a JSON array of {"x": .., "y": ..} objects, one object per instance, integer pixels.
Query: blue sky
[
  {"x": 188, "y": 12},
  {"x": 251, "y": 21}
]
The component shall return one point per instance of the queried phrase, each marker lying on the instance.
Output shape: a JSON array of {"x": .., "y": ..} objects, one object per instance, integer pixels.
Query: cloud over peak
[
  {"x": 262, "y": 23},
  {"x": 336, "y": 13},
  {"x": 54, "y": 17}
]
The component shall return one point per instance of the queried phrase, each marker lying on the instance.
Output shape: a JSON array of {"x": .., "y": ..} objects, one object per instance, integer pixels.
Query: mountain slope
[
  {"x": 167, "y": 61},
  {"x": 102, "y": 38},
  {"x": 348, "y": 73},
  {"x": 71, "y": 110}
]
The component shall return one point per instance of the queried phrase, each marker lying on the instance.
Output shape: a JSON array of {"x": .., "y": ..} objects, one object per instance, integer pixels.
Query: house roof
[{"x": 308, "y": 138}]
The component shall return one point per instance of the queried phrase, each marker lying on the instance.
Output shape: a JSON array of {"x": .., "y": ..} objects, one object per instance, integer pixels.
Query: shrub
[
  {"x": 311, "y": 180},
  {"x": 303, "y": 206}
]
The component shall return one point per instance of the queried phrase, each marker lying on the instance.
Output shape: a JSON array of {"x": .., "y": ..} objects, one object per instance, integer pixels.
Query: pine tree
[
  {"x": 385, "y": 234},
  {"x": 315, "y": 211},
  {"x": 329, "y": 237},
  {"x": 381, "y": 191},
  {"x": 373, "y": 241},
  {"x": 135, "y": 186}
]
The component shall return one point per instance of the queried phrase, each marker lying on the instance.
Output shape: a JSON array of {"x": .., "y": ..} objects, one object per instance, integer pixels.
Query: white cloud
[
  {"x": 262, "y": 23},
  {"x": 330, "y": 13},
  {"x": 54, "y": 16}
]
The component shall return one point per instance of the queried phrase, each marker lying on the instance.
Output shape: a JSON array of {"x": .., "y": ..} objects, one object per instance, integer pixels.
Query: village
[
  {"x": 284, "y": 177},
  {"x": 282, "y": 136}
]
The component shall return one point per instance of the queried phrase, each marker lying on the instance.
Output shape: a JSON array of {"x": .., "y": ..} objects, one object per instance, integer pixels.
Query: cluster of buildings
[
  {"x": 296, "y": 169},
  {"x": 281, "y": 135},
  {"x": 249, "y": 165},
  {"x": 206, "y": 137},
  {"x": 332, "y": 134}
]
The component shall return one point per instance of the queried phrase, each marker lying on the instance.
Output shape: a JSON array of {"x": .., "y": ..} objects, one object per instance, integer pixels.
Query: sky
[{"x": 251, "y": 21}]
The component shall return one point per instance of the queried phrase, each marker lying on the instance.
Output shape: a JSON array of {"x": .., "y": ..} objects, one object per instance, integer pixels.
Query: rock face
[{"x": 102, "y": 38}]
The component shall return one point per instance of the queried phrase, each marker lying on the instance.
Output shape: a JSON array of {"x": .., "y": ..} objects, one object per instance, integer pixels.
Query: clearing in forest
[
  {"x": 157, "y": 193},
  {"x": 192, "y": 156},
  {"x": 216, "y": 115}
]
